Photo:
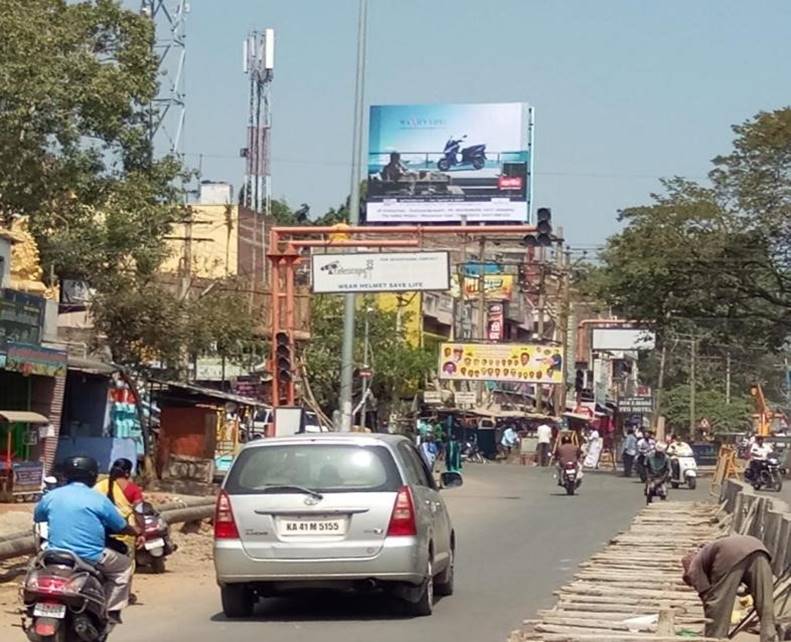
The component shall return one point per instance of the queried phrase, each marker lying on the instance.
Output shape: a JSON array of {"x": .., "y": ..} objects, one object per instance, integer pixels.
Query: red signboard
[
  {"x": 509, "y": 182},
  {"x": 495, "y": 324}
]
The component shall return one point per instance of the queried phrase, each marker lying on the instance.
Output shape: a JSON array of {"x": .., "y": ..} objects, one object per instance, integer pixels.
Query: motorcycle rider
[
  {"x": 677, "y": 448},
  {"x": 645, "y": 447},
  {"x": 759, "y": 452},
  {"x": 79, "y": 519},
  {"x": 567, "y": 453}
]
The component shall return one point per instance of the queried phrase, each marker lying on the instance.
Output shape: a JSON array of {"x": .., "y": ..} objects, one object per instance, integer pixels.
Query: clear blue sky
[{"x": 625, "y": 91}]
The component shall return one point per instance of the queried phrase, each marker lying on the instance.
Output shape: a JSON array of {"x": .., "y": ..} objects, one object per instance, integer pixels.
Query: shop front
[
  {"x": 31, "y": 396},
  {"x": 100, "y": 416}
]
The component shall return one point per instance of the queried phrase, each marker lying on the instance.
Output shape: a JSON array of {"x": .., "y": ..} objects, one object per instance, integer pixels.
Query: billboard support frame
[{"x": 283, "y": 252}]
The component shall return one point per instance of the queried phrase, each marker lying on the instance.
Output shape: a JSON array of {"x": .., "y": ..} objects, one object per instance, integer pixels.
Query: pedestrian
[
  {"x": 429, "y": 451},
  {"x": 544, "y": 433},
  {"x": 629, "y": 452},
  {"x": 718, "y": 569},
  {"x": 509, "y": 439},
  {"x": 593, "y": 448}
]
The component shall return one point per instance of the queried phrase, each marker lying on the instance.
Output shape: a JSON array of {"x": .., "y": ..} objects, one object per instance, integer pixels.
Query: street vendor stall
[{"x": 21, "y": 475}]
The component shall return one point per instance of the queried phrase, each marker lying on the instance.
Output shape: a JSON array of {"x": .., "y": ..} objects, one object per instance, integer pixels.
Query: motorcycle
[
  {"x": 570, "y": 478},
  {"x": 656, "y": 487},
  {"x": 64, "y": 600},
  {"x": 471, "y": 453},
  {"x": 158, "y": 544},
  {"x": 767, "y": 473},
  {"x": 684, "y": 470},
  {"x": 474, "y": 155}
]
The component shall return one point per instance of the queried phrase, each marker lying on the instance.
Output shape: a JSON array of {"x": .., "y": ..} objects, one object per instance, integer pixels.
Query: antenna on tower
[
  {"x": 166, "y": 116},
  {"x": 258, "y": 62}
]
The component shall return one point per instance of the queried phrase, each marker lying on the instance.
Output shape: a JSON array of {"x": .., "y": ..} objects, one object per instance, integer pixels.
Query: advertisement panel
[
  {"x": 495, "y": 322},
  {"x": 525, "y": 362},
  {"x": 636, "y": 404},
  {"x": 496, "y": 287},
  {"x": 445, "y": 163},
  {"x": 623, "y": 339},
  {"x": 380, "y": 272},
  {"x": 31, "y": 359}
]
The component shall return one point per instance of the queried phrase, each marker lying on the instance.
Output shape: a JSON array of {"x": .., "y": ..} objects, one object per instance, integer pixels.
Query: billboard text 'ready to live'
[{"x": 445, "y": 163}]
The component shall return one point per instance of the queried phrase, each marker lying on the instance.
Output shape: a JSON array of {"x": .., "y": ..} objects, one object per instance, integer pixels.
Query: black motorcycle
[
  {"x": 765, "y": 473},
  {"x": 570, "y": 479},
  {"x": 64, "y": 600},
  {"x": 158, "y": 544}
]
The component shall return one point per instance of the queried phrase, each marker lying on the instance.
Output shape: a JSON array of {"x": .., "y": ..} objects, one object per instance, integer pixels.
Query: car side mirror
[{"x": 451, "y": 480}]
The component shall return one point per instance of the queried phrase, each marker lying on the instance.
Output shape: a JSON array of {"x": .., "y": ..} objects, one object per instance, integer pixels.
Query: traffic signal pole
[{"x": 286, "y": 245}]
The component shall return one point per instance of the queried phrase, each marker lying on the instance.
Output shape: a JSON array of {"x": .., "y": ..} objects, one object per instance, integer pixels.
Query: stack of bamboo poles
[{"x": 637, "y": 575}]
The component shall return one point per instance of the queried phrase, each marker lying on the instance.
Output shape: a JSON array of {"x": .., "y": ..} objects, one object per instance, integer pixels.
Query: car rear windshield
[{"x": 325, "y": 468}]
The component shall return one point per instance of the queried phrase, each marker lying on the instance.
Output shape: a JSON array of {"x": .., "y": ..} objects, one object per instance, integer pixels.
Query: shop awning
[{"x": 22, "y": 417}]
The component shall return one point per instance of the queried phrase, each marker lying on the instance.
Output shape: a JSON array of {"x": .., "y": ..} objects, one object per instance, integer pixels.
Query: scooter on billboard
[{"x": 453, "y": 155}]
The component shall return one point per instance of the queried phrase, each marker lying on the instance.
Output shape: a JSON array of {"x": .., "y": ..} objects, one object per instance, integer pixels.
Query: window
[
  {"x": 416, "y": 467},
  {"x": 322, "y": 467}
]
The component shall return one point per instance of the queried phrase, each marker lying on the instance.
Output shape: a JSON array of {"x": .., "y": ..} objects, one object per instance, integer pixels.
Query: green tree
[
  {"x": 710, "y": 404},
  {"x": 399, "y": 368}
]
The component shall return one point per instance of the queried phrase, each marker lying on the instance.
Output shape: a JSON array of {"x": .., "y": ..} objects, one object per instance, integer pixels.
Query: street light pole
[{"x": 349, "y": 303}]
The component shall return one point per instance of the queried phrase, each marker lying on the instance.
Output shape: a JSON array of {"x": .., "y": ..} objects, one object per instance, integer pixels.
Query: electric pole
[
  {"x": 349, "y": 303},
  {"x": 728, "y": 378},
  {"x": 693, "y": 350}
]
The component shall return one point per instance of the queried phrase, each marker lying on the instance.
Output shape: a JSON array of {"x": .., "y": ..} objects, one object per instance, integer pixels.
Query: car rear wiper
[{"x": 276, "y": 488}]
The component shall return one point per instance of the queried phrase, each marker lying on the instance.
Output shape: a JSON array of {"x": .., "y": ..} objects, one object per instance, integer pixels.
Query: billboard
[
  {"x": 380, "y": 272},
  {"x": 445, "y": 163},
  {"x": 497, "y": 287},
  {"x": 525, "y": 362},
  {"x": 623, "y": 339}
]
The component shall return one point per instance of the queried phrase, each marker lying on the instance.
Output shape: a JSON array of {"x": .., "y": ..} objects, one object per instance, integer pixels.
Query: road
[{"x": 519, "y": 540}]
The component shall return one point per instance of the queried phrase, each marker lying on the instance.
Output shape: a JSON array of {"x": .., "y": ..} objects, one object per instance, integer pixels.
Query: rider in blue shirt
[{"x": 78, "y": 520}]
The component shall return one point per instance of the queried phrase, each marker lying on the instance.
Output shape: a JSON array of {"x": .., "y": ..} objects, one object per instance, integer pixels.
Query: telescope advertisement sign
[
  {"x": 448, "y": 163},
  {"x": 380, "y": 272},
  {"x": 505, "y": 362}
]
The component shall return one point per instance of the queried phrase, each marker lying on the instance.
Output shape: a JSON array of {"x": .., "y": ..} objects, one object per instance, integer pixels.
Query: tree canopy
[{"x": 712, "y": 260}]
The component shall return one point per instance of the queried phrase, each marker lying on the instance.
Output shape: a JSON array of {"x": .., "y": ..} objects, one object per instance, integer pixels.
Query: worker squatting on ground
[{"x": 716, "y": 571}]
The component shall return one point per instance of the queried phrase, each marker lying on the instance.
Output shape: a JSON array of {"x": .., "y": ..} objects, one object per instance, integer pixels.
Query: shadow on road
[{"x": 326, "y": 606}]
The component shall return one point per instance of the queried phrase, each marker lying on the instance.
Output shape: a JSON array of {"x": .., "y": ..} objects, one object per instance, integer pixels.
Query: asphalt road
[{"x": 519, "y": 540}]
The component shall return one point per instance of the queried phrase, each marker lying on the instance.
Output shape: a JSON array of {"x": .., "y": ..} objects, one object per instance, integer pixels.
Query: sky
[{"x": 625, "y": 91}]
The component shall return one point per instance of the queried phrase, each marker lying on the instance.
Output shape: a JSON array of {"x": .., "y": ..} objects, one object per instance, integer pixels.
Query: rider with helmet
[{"x": 79, "y": 519}]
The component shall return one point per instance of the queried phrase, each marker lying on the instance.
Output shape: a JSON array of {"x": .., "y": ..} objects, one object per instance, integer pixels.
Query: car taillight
[
  {"x": 402, "y": 521},
  {"x": 224, "y": 524}
]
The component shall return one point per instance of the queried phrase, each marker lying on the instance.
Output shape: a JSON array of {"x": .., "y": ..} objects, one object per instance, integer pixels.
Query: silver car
[{"x": 332, "y": 511}]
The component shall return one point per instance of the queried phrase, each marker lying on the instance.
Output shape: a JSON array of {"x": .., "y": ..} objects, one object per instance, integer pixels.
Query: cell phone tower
[
  {"x": 166, "y": 116},
  {"x": 258, "y": 62}
]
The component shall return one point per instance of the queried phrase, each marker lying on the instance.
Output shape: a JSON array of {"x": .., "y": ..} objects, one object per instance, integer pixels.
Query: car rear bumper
[{"x": 399, "y": 560}]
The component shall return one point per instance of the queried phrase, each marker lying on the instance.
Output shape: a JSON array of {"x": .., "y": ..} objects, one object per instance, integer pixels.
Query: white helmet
[{"x": 660, "y": 447}]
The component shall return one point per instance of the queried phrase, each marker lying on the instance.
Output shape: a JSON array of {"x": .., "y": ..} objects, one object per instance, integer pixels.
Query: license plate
[
  {"x": 46, "y": 609},
  {"x": 312, "y": 526},
  {"x": 155, "y": 543}
]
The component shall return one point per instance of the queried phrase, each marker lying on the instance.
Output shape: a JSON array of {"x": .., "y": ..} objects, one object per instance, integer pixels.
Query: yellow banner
[
  {"x": 526, "y": 362},
  {"x": 496, "y": 286}
]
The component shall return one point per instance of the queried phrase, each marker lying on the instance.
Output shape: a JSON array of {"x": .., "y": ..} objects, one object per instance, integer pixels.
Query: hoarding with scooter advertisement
[{"x": 450, "y": 163}]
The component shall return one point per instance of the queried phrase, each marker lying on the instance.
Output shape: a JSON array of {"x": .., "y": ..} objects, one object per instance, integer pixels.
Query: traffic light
[
  {"x": 543, "y": 233},
  {"x": 283, "y": 357},
  {"x": 579, "y": 381}
]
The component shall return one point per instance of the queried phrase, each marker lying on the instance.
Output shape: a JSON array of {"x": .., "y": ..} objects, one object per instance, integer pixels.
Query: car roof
[{"x": 353, "y": 438}]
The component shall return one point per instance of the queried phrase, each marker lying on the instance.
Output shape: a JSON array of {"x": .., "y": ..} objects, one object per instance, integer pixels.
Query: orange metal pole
[
  {"x": 289, "y": 268},
  {"x": 506, "y": 230},
  {"x": 275, "y": 293},
  {"x": 359, "y": 243}
]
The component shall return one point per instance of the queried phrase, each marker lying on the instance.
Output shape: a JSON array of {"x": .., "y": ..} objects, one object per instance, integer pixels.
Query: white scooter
[{"x": 683, "y": 469}]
